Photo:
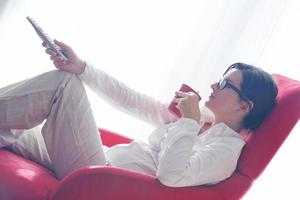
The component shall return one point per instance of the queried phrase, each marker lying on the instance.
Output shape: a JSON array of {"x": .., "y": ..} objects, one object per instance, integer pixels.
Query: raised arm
[
  {"x": 113, "y": 91},
  {"x": 124, "y": 98}
]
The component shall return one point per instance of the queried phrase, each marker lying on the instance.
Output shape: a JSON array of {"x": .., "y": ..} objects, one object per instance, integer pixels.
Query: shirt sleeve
[
  {"x": 189, "y": 160},
  {"x": 124, "y": 98}
]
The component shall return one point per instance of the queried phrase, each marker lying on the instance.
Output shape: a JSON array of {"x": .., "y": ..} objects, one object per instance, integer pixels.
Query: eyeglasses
[{"x": 223, "y": 83}]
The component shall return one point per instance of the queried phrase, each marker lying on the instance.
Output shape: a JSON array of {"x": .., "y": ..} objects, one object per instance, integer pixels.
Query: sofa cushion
[{"x": 24, "y": 179}]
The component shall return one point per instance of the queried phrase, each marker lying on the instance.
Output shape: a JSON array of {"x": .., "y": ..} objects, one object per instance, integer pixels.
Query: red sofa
[{"x": 24, "y": 179}]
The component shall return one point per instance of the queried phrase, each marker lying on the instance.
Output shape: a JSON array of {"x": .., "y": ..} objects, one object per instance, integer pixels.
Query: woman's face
[{"x": 226, "y": 102}]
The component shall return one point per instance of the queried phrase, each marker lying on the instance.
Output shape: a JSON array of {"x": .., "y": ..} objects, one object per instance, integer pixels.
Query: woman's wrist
[
  {"x": 81, "y": 67},
  {"x": 193, "y": 117}
]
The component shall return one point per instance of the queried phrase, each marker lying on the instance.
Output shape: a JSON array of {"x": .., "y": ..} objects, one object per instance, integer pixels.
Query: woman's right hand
[
  {"x": 188, "y": 104},
  {"x": 73, "y": 65}
]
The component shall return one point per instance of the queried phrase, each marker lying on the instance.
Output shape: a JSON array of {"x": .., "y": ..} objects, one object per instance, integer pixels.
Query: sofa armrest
[
  {"x": 110, "y": 138},
  {"x": 102, "y": 182},
  {"x": 24, "y": 179},
  {"x": 111, "y": 183}
]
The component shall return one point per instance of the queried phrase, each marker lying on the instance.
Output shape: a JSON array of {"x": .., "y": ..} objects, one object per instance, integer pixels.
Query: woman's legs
[
  {"x": 31, "y": 145},
  {"x": 70, "y": 132}
]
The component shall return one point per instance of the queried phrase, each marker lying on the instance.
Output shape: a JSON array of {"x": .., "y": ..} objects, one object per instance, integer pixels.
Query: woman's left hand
[
  {"x": 188, "y": 104},
  {"x": 73, "y": 65}
]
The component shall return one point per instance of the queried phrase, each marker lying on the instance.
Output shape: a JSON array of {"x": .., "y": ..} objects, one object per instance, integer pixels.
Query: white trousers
[{"x": 68, "y": 138}]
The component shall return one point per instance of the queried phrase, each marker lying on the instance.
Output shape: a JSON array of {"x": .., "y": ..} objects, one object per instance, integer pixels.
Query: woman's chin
[{"x": 207, "y": 103}]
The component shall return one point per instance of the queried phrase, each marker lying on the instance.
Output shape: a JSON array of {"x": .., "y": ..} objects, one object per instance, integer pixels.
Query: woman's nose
[{"x": 214, "y": 86}]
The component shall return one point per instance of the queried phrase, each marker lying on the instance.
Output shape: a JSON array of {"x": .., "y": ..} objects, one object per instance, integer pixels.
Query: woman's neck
[
  {"x": 233, "y": 124},
  {"x": 204, "y": 127}
]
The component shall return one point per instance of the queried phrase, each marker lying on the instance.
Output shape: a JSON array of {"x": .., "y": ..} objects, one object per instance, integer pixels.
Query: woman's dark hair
[{"x": 261, "y": 88}]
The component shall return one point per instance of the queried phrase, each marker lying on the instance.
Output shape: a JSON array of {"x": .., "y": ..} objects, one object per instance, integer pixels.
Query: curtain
[
  {"x": 2, "y": 6},
  {"x": 233, "y": 31}
]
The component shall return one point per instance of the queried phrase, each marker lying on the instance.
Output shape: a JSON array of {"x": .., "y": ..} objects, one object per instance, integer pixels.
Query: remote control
[{"x": 49, "y": 42}]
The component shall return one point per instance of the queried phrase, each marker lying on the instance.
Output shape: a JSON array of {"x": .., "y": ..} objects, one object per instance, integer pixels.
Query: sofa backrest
[{"x": 263, "y": 143}]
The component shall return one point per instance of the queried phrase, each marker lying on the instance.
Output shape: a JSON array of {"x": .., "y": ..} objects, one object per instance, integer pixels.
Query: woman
[{"x": 180, "y": 152}]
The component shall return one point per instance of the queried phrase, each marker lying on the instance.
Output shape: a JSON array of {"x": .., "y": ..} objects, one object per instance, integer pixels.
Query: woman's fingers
[
  {"x": 60, "y": 64},
  {"x": 62, "y": 45},
  {"x": 185, "y": 97},
  {"x": 188, "y": 104},
  {"x": 56, "y": 58},
  {"x": 187, "y": 94},
  {"x": 67, "y": 50},
  {"x": 50, "y": 52},
  {"x": 177, "y": 100},
  {"x": 181, "y": 94}
]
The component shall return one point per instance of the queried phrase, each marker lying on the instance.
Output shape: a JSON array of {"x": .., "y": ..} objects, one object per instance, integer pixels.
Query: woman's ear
[{"x": 246, "y": 106}]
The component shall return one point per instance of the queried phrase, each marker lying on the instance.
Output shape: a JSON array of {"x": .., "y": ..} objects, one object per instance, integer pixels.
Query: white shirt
[{"x": 175, "y": 153}]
